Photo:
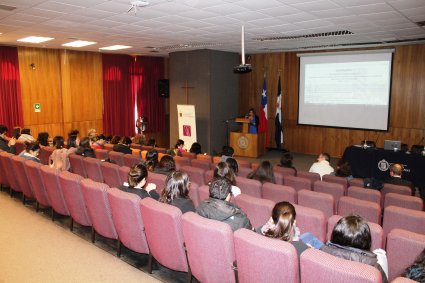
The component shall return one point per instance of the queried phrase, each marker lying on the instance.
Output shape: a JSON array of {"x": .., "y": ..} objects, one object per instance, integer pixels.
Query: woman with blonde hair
[{"x": 176, "y": 192}]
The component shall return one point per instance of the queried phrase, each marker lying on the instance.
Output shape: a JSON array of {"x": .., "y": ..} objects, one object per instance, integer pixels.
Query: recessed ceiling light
[
  {"x": 79, "y": 43},
  {"x": 35, "y": 39},
  {"x": 115, "y": 47}
]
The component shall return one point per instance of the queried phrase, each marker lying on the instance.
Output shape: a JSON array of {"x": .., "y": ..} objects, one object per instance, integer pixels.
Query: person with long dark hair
[
  {"x": 223, "y": 170},
  {"x": 263, "y": 173},
  {"x": 32, "y": 149},
  {"x": 176, "y": 192},
  {"x": 59, "y": 157},
  {"x": 84, "y": 149},
  {"x": 137, "y": 184}
]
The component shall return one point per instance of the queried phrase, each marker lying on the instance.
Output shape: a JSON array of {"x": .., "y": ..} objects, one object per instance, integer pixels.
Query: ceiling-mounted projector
[{"x": 243, "y": 68}]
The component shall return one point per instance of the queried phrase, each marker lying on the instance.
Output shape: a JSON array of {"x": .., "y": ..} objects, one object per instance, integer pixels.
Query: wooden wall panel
[{"x": 407, "y": 120}]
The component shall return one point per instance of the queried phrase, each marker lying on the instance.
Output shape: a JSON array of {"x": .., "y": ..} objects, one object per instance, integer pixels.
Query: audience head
[
  {"x": 137, "y": 175},
  {"x": 151, "y": 142},
  {"x": 176, "y": 186},
  {"x": 126, "y": 141},
  {"x": 251, "y": 111},
  {"x": 26, "y": 131},
  {"x": 152, "y": 158},
  {"x": 73, "y": 140},
  {"x": 227, "y": 151},
  {"x": 324, "y": 157},
  {"x": 343, "y": 168},
  {"x": 32, "y": 148},
  {"x": 286, "y": 160},
  {"x": 16, "y": 133},
  {"x": 85, "y": 142},
  {"x": 115, "y": 139},
  {"x": 3, "y": 130},
  {"x": 196, "y": 148},
  {"x": 91, "y": 134},
  {"x": 108, "y": 138},
  {"x": 73, "y": 132},
  {"x": 283, "y": 216},
  {"x": 43, "y": 138},
  {"x": 179, "y": 143},
  {"x": 220, "y": 188},
  {"x": 233, "y": 164},
  {"x": 223, "y": 170},
  {"x": 264, "y": 173},
  {"x": 352, "y": 231},
  {"x": 396, "y": 170},
  {"x": 167, "y": 164},
  {"x": 58, "y": 142}
]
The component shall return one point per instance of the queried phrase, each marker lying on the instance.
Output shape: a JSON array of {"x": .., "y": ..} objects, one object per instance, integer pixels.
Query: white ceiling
[{"x": 178, "y": 23}]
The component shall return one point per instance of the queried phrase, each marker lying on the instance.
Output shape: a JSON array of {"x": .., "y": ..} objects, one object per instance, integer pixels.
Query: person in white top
[
  {"x": 26, "y": 136},
  {"x": 322, "y": 166}
]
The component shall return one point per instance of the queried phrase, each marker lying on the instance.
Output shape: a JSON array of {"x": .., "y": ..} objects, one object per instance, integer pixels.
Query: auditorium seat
[
  {"x": 111, "y": 174},
  {"x": 204, "y": 157},
  {"x": 20, "y": 146},
  {"x": 136, "y": 146},
  {"x": 101, "y": 154},
  {"x": 242, "y": 163},
  {"x": 278, "y": 177},
  {"x": 73, "y": 196},
  {"x": 108, "y": 146},
  {"x": 297, "y": 183},
  {"x": 181, "y": 161},
  {"x": 158, "y": 180},
  {"x": 410, "y": 202},
  {"x": 269, "y": 253},
  {"x": 37, "y": 184},
  {"x": 3, "y": 178},
  {"x": 370, "y": 211},
  {"x": 364, "y": 194},
  {"x": 244, "y": 172},
  {"x": 128, "y": 222},
  {"x": 403, "y": 280},
  {"x": 209, "y": 262},
  {"x": 160, "y": 155},
  {"x": 334, "y": 189},
  {"x": 278, "y": 193},
  {"x": 337, "y": 180},
  {"x": 319, "y": 267},
  {"x": 202, "y": 164},
  {"x": 189, "y": 155},
  {"x": 164, "y": 234},
  {"x": 195, "y": 174},
  {"x": 376, "y": 232},
  {"x": 18, "y": 165},
  {"x": 284, "y": 170},
  {"x": 147, "y": 148},
  {"x": 203, "y": 193},
  {"x": 313, "y": 177},
  {"x": 6, "y": 160},
  {"x": 311, "y": 220},
  {"x": 357, "y": 182},
  {"x": 403, "y": 218},
  {"x": 390, "y": 188},
  {"x": 161, "y": 150},
  {"x": 208, "y": 175},
  {"x": 403, "y": 247},
  {"x": 194, "y": 193},
  {"x": 216, "y": 160},
  {"x": 123, "y": 171},
  {"x": 96, "y": 199},
  {"x": 143, "y": 154},
  {"x": 92, "y": 168},
  {"x": 249, "y": 187},
  {"x": 130, "y": 160},
  {"x": 320, "y": 201},
  {"x": 117, "y": 157},
  {"x": 258, "y": 210},
  {"x": 45, "y": 153},
  {"x": 77, "y": 165}
]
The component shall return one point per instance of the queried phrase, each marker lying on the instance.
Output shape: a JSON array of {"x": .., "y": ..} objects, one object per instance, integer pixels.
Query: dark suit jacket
[
  {"x": 122, "y": 148},
  {"x": 4, "y": 146},
  {"x": 401, "y": 182},
  {"x": 140, "y": 192}
]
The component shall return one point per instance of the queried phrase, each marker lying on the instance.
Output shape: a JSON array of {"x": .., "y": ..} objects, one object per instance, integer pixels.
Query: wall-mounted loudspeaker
[{"x": 164, "y": 88}]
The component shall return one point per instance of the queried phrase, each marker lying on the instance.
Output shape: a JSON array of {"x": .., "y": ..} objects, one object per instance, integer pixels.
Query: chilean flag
[
  {"x": 278, "y": 117},
  {"x": 262, "y": 127}
]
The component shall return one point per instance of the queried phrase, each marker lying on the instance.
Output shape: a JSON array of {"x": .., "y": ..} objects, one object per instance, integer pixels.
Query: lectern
[{"x": 246, "y": 144}]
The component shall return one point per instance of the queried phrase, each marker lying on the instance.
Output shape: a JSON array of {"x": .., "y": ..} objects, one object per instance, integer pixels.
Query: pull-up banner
[{"x": 187, "y": 124}]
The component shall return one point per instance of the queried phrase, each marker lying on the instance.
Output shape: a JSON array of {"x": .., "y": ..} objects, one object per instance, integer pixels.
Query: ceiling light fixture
[
  {"x": 79, "y": 43},
  {"x": 137, "y": 4},
  {"x": 35, "y": 39},
  {"x": 115, "y": 47}
]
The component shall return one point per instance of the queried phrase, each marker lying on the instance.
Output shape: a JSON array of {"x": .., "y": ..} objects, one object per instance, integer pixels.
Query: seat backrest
[
  {"x": 311, "y": 220},
  {"x": 199, "y": 232},
  {"x": 242, "y": 163},
  {"x": 357, "y": 182},
  {"x": 194, "y": 193},
  {"x": 195, "y": 174},
  {"x": 397, "y": 189},
  {"x": 410, "y": 202},
  {"x": 364, "y": 194},
  {"x": 131, "y": 159},
  {"x": 45, "y": 153},
  {"x": 164, "y": 233},
  {"x": 118, "y": 157},
  {"x": 128, "y": 220},
  {"x": 203, "y": 193},
  {"x": 18, "y": 165},
  {"x": 123, "y": 171},
  {"x": 336, "y": 180},
  {"x": 108, "y": 146},
  {"x": 202, "y": 164},
  {"x": 403, "y": 247},
  {"x": 189, "y": 155},
  {"x": 319, "y": 267},
  {"x": 208, "y": 175},
  {"x": 6, "y": 159},
  {"x": 95, "y": 196},
  {"x": 54, "y": 189},
  {"x": 205, "y": 157},
  {"x": 216, "y": 160},
  {"x": 158, "y": 180},
  {"x": 181, "y": 161},
  {"x": 77, "y": 165},
  {"x": 244, "y": 171},
  {"x": 313, "y": 177},
  {"x": 3, "y": 177},
  {"x": 403, "y": 218},
  {"x": 278, "y": 193},
  {"x": 249, "y": 187},
  {"x": 320, "y": 201},
  {"x": 297, "y": 183},
  {"x": 267, "y": 253},
  {"x": 36, "y": 181},
  {"x": 101, "y": 154},
  {"x": 370, "y": 211},
  {"x": 334, "y": 189},
  {"x": 376, "y": 232},
  {"x": 92, "y": 168},
  {"x": 73, "y": 196},
  {"x": 161, "y": 150},
  {"x": 20, "y": 146},
  {"x": 403, "y": 280},
  {"x": 136, "y": 146},
  {"x": 258, "y": 210},
  {"x": 284, "y": 170},
  {"x": 111, "y": 174}
]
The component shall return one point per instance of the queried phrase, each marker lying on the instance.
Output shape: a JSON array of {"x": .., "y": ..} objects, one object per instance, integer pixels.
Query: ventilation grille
[
  {"x": 7, "y": 8},
  {"x": 306, "y": 36},
  {"x": 189, "y": 45}
]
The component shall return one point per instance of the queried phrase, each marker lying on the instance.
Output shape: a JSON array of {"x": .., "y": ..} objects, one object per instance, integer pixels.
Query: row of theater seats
[{"x": 168, "y": 235}]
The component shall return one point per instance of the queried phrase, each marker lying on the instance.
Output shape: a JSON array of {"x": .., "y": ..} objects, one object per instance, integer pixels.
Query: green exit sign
[{"x": 37, "y": 107}]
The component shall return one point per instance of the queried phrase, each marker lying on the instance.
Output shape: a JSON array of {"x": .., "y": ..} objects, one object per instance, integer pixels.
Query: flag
[
  {"x": 262, "y": 127},
  {"x": 278, "y": 119}
]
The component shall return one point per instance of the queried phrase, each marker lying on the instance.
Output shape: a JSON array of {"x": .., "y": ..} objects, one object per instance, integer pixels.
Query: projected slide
[{"x": 345, "y": 90}]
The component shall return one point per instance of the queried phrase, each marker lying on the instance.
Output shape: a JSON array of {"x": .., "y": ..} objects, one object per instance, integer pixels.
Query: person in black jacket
[
  {"x": 396, "y": 170},
  {"x": 123, "y": 146},
  {"x": 8, "y": 146},
  {"x": 84, "y": 149},
  {"x": 137, "y": 183}
]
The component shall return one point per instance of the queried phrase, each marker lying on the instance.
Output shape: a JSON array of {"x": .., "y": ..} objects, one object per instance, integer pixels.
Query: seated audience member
[
  {"x": 343, "y": 169},
  {"x": 97, "y": 142},
  {"x": 84, "y": 148},
  {"x": 16, "y": 132},
  {"x": 74, "y": 132},
  {"x": 152, "y": 143},
  {"x": 223, "y": 170},
  {"x": 218, "y": 207},
  {"x": 139, "y": 139},
  {"x": 263, "y": 173},
  {"x": 73, "y": 142},
  {"x": 226, "y": 152},
  {"x": 31, "y": 151},
  {"x": 396, "y": 172},
  {"x": 322, "y": 166},
  {"x": 151, "y": 159},
  {"x": 196, "y": 148},
  {"x": 287, "y": 161},
  {"x": 108, "y": 138},
  {"x": 26, "y": 136},
  {"x": 123, "y": 146},
  {"x": 179, "y": 147},
  {"x": 282, "y": 226},
  {"x": 176, "y": 192},
  {"x": 115, "y": 139},
  {"x": 137, "y": 184},
  {"x": 43, "y": 139},
  {"x": 59, "y": 157},
  {"x": 416, "y": 271},
  {"x": 233, "y": 164},
  {"x": 351, "y": 240},
  {"x": 91, "y": 134},
  {"x": 8, "y": 146},
  {"x": 166, "y": 165}
]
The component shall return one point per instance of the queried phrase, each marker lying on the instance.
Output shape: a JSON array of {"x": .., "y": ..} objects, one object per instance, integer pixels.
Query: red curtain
[
  {"x": 118, "y": 98},
  {"x": 146, "y": 72},
  {"x": 10, "y": 90}
]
